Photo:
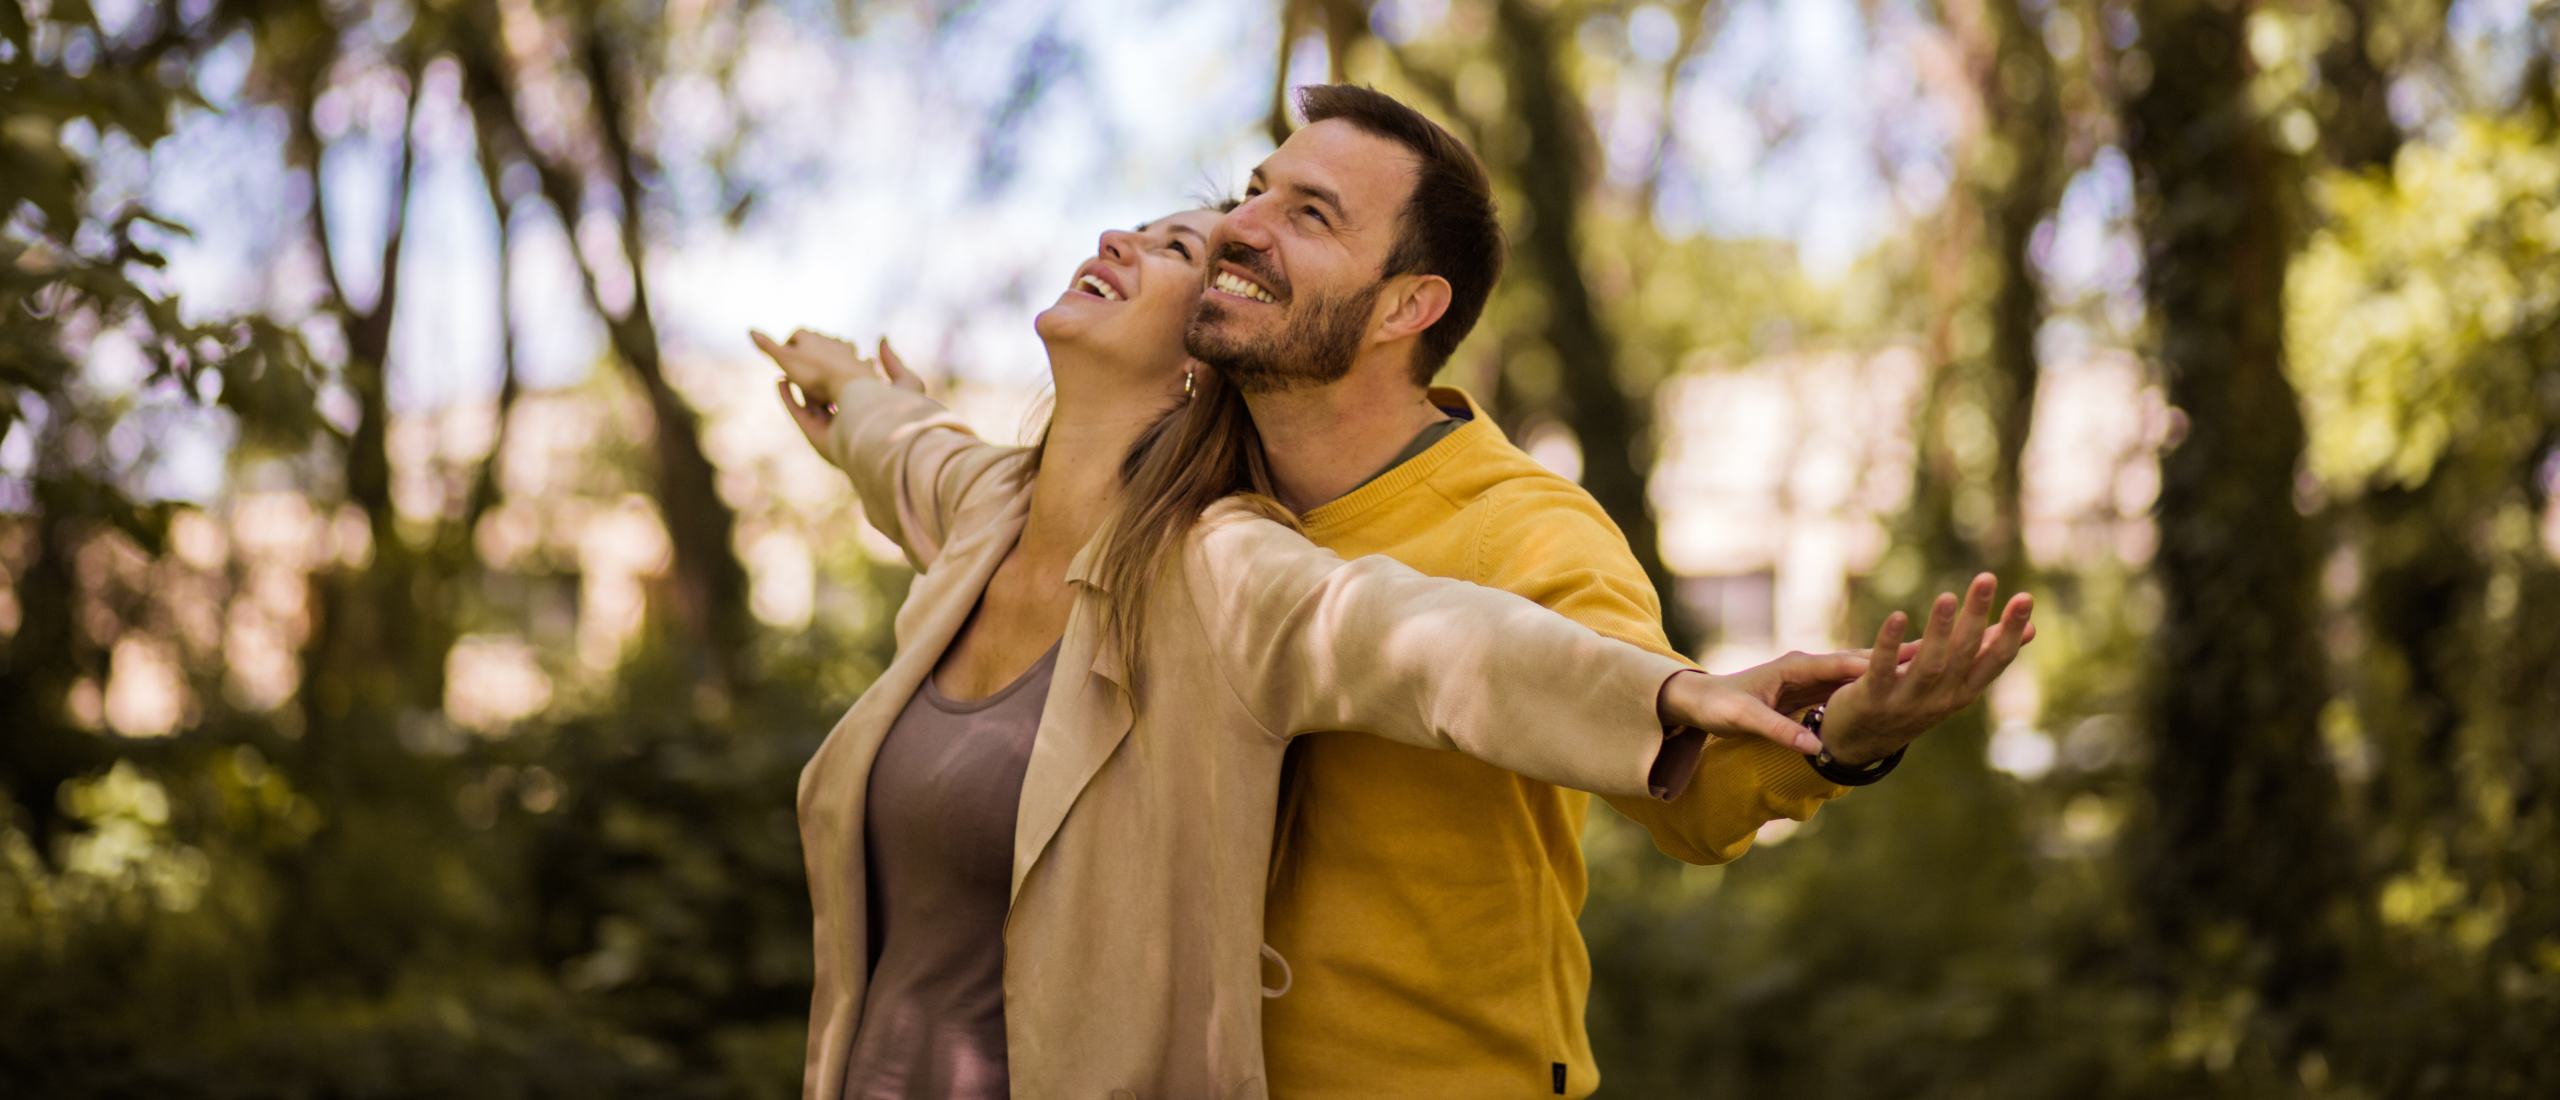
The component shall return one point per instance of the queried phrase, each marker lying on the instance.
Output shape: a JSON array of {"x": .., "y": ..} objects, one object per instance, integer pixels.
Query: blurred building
[{"x": 1777, "y": 479}]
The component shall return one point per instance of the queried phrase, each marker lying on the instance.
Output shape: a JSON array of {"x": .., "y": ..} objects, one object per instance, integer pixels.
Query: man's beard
[{"x": 1313, "y": 348}]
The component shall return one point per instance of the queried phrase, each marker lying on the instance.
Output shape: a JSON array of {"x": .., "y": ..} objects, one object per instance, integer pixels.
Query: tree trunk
[
  {"x": 49, "y": 651},
  {"x": 2013, "y": 169},
  {"x": 2241, "y": 831},
  {"x": 1553, "y": 171},
  {"x": 710, "y": 584},
  {"x": 2358, "y": 130},
  {"x": 2027, "y": 119}
]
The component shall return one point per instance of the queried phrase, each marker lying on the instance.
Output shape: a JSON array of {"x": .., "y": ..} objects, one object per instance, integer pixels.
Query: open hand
[
  {"x": 1959, "y": 654},
  {"x": 816, "y": 368}
]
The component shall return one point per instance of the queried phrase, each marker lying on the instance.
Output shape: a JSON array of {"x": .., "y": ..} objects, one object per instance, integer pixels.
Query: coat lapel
[
  {"x": 835, "y": 784},
  {"x": 1086, "y": 718}
]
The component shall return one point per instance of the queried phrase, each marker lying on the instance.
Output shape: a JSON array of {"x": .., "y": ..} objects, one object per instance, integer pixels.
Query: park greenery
[{"x": 286, "y": 814}]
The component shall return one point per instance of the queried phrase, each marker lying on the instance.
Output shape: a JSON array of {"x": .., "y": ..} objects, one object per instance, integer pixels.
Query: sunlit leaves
[{"x": 2413, "y": 310}]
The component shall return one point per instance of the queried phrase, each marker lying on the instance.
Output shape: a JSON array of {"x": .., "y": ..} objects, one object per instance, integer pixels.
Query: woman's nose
[{"x": 1119, "y": 244}]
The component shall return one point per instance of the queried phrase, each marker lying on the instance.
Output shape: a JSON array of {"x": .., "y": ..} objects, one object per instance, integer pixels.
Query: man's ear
[{"x": 1411, "y": 304}]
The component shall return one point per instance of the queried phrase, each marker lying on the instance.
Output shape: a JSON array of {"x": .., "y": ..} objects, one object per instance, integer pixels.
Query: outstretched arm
[
  {"x": 1560, "y": 550},
  {"x": 914, "y": 464},
  {"x": 1310, "y": 642}
]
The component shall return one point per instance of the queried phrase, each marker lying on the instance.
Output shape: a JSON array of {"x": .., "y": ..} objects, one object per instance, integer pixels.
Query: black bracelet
[{"x": 1846, "y": 775}]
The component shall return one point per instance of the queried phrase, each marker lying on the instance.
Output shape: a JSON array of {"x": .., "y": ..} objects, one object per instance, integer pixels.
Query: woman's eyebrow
[{"x": 1181, "y": 228}]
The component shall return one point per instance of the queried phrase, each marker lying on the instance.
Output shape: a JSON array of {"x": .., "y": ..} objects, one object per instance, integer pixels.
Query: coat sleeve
[
  {"x": 1556, "y": 547},
  {"x": 913, "y": 463},
  {"x": 1310, "y": 642}
]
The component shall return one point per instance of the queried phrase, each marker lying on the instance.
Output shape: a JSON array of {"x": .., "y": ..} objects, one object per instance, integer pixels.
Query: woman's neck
[{"x": 1091, "y": 429}]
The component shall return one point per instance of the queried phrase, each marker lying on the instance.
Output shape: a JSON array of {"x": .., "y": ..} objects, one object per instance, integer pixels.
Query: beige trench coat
[{"x": 1133, "y": 949}]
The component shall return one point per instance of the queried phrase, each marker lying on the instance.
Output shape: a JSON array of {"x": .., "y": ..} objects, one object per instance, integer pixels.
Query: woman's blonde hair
[{"x": 1202, "y": 452}]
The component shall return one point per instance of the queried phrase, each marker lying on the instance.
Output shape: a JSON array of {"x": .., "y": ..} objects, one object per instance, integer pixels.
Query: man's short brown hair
[{"x": 1448, "y": 227}]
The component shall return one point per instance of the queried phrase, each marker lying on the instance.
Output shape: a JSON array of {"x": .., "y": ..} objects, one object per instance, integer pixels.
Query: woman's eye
[{"x": 1185, "y": 249}]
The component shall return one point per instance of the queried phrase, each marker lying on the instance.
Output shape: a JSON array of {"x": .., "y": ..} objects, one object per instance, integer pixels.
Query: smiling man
[{"x": 1425, "y": 903}]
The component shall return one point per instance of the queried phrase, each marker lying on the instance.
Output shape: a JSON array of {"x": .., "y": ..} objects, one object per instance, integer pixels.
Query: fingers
[
  {"x": 1821, "y": 668},
  {"x": 813, "y": 423},
  {"x": 1806, "y": 680},
  {"x": 1971, "y": 621},
  {"x": 799, "y": 409},
  {"x": 2013, "y": 624},
  {"x": 2000, "y": 647},
  {"x": 1764, "y": 722},
  {"x": 1885, "y": 659},
  {"x": 895, "y": 369},
  {"x": 1729, "y": 706},
  {"x": 1931, "y": 661},
  {"x": 794, "y": 366},
  {"x": 1909, "y": 650}
]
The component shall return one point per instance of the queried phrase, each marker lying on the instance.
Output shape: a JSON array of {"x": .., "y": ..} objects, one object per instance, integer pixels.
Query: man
[{"x": 1425, "y": 903}]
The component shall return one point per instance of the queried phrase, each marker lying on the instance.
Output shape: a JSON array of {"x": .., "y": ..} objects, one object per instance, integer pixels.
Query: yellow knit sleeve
[{"x": 1553, "y": 544}]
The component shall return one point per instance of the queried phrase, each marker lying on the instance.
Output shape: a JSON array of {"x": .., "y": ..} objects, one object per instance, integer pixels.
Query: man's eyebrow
[{"x": 1320, "y": 194}]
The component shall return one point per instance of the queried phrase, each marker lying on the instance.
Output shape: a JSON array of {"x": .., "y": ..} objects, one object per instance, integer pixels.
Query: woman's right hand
[
  {"x": 819, "y": 367},
  {"x": 1747, "y": 703}
]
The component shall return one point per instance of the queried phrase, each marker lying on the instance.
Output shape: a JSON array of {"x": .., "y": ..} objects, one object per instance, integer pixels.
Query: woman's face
[{"x": 1133, "y": 299}]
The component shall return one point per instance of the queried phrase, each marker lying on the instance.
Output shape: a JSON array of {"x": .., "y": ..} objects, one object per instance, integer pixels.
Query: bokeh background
[{"x": 417, "y": 611}]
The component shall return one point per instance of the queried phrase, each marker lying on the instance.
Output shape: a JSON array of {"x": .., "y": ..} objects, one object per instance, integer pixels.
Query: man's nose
[{"x": 1249, "y": 224}]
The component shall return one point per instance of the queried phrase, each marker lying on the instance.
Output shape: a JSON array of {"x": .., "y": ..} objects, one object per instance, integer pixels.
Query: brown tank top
[{"x": 938, "y": 843}]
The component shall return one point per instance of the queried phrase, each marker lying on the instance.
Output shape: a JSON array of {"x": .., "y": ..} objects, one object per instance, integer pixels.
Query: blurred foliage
[
  {"x": 406, "y": 769},
  {"x": 247, "y": 850}
]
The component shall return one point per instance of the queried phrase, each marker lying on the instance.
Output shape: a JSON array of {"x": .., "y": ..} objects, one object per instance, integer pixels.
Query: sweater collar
[
  {"x": 1413, "y": 471},
  {"x": 1407, "y": 474}
]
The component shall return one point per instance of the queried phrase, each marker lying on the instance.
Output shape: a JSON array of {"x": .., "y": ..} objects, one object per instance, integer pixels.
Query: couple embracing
[{"x": 1239, "y": 732}]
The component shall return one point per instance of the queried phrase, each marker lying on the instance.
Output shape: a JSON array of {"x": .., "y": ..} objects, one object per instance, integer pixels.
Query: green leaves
[
  {"x": 2412, "y": 310},
  {"x": 270, "y": 383}
]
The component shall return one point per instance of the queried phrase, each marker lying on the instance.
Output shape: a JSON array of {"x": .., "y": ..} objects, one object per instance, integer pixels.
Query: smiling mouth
[
  {"x": 1232, "y": 283},
  {"x": 1097, "y": 288}
]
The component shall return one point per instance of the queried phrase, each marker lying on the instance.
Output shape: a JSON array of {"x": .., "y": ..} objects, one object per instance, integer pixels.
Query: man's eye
[{"x": 1318, "y": 215}]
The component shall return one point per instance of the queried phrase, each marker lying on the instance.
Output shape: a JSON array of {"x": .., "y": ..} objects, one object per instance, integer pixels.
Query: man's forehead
[{"x": 1359, "y": 166}]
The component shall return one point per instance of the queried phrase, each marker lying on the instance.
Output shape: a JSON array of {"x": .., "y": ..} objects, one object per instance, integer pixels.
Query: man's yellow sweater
[{"x": 1426, "y": 901}]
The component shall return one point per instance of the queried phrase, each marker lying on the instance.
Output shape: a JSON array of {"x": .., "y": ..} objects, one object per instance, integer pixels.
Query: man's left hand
[{"x": 1959, "y": 655}]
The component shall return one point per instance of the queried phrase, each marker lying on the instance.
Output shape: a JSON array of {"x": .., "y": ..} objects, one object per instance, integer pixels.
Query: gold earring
[{"x": 1186, "y": 382}]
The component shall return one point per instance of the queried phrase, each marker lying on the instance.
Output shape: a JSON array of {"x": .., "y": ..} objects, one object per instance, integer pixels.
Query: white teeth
[
  {"x": 1238, "y": 286},
  {"x": 1097, "y": 286}
]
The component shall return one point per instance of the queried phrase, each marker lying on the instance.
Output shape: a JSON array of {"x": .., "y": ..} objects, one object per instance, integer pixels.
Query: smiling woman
[{"x": 932, "y": 998}]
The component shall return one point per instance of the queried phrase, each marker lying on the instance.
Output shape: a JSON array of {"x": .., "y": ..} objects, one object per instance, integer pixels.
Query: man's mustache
[{"x": 1255, "y": 263}]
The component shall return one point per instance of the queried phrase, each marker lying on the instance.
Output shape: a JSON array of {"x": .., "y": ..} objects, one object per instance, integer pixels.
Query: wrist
[
  {"x": 1840, "y": 736},
  {"x": 1852, "y": 754},
  {"x": 1673, "y": 703},
  {"x": 1843, "y": 769}
]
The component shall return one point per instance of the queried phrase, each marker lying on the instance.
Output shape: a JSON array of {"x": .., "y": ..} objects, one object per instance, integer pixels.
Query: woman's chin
[
  {"x": 1080, "y": 310},
  {"x": 1060, "y": 322}
]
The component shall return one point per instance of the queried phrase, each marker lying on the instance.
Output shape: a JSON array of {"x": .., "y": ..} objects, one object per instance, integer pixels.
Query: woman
[{"x": 1037, "y": 845}]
